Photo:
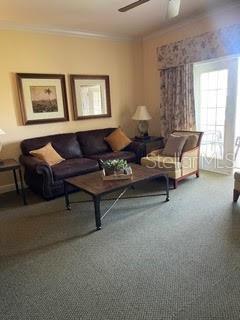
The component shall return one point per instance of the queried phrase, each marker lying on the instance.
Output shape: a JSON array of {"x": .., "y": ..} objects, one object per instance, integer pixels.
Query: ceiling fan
[{"x": 173, "y": 7}]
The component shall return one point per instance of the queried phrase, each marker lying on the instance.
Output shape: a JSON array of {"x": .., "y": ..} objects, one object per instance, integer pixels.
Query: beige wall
[
  {"x": 42, "y": 53},
  {"x": 151, "y": 73}
]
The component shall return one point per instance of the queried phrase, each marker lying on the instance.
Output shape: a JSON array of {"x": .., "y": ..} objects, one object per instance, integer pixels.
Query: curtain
[
  {"x": 210, "y": 45},
  {"x": 175, "y": 61},
  {"x": 177, "y": 107}
]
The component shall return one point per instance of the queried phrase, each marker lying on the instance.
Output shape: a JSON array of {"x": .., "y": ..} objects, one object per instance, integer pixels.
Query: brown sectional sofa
[{"x": 82, "y": 150}]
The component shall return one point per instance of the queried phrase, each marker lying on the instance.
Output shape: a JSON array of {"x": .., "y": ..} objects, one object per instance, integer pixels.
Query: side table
[
  {"x": 14, "y": 166},
  {"x": 152, "y": 143}
]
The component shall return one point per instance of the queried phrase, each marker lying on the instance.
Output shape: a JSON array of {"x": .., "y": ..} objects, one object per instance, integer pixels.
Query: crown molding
[
  {"x": 179, "y": 24},
  {"x": 5, "y": 25}
]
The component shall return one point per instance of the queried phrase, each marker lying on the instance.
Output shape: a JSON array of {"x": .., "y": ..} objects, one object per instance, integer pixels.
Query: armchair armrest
[
  {"x": 190, "y": 160},
  {"x": 155, "y": 153},
  {"x": 37, "y": 166},
  {"x": 138, "y": 148}
]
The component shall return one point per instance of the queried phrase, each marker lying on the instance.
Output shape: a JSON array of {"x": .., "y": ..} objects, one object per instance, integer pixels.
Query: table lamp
[
  {"x": 1, "y": 133},
  {"x": 142, "y": 116}
]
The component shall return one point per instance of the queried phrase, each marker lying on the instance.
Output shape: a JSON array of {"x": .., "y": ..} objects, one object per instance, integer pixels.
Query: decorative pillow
[
  {"x": 48, "y": 154},
  {"x": 191, "y": 142},
  {"x": 117, "y": 140},
  {"x": 174, "y": 146}
]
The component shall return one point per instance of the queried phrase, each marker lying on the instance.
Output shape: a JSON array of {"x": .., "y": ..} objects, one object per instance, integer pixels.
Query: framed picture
[
  {"x": 90, "y": 96},
  {"x": 42, "y": 97}
]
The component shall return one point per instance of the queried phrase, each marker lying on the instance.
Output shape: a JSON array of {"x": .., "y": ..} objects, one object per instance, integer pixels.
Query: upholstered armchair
[{"x": 183, "y": 163}]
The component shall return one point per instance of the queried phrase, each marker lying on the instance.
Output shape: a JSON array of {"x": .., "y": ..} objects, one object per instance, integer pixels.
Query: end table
[
  {"x": 152, "y": 143},
  {"x": 14, "y": 166}
]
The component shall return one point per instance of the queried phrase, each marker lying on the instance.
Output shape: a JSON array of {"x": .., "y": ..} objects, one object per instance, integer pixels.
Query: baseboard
[{"x": 7, "y": 188}]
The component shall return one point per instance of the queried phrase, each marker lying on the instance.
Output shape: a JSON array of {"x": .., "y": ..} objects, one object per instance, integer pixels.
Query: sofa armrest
[
  {"x": 37, "y": 166},
  {"x": 138, "y": 148}
]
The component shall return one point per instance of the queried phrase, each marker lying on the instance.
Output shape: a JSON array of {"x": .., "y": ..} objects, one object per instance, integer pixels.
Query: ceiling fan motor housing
[{"x": 173, "y": 8}]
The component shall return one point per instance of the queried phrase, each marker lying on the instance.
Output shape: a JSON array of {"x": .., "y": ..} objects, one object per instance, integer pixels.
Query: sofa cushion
[
  {"x": 47, "y": 154},
  {"x": 126, "y": 155},
  {"x": 65, "y": 144},
  {"x": 117, "y": 140},
  {"x": 92, "y": 141},
  {"x": 74, "y": 167}
]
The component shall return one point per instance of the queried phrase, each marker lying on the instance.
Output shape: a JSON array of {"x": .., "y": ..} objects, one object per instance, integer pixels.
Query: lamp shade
[
  {"x": 2, "y": 132},
  {"x": 141, "y": 114}
]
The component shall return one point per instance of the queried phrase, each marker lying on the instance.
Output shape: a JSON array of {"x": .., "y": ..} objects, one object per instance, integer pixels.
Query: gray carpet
[{"x": 152, "y": 260}]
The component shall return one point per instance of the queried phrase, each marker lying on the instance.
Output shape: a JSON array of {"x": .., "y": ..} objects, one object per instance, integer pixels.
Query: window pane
[
  {"x": 204, "y": 99},
  {"x": 222, "y": 79},
  {"x": 204, "y": 116},
  {"x": 213, "y": 80},
  {"x": 204, "y": 81},
  {"x": 211, "y": 116},
  {"x": 220, "y": 116},
  {"x": 212, "y": 99},
  {"x": 221, "y": 98}
]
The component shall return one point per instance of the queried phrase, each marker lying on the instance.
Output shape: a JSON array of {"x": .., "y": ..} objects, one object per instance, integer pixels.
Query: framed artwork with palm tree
[{"x": 42, "y": 98}]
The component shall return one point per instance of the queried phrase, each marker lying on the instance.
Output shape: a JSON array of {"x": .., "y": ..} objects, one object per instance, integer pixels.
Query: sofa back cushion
[
  {"x": 65, "y": 144},
  {"x": 92, "y": 141}
]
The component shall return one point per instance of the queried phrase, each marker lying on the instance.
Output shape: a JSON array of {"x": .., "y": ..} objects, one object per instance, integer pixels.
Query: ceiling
[{"x": 100, "y": 16}]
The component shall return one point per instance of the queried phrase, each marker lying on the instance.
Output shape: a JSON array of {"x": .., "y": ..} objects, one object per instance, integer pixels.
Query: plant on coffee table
[{"x": 116, "y": 166}]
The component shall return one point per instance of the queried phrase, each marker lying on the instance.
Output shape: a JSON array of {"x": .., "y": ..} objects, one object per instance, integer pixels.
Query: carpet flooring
[{"x": 152, "y": 260}]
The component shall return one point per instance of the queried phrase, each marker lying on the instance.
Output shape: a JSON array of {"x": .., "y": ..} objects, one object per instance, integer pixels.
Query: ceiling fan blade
[
  {"x": 132, "y": 5},
  {"x": 173, "y": 8}
]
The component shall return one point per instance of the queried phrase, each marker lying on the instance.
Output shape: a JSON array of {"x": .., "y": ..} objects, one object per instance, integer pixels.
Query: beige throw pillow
[
  {"x": 47, "y": 154},
  {"x": 117, "y": 140},
  {"x": 174, "y": 146},
  {"x": 191, "y": 142}
]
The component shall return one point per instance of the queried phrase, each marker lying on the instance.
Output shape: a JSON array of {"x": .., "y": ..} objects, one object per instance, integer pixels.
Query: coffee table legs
[{"x": 96, "y": 200}]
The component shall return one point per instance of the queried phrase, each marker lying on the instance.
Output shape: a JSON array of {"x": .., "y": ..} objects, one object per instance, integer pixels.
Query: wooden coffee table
[{"x": 93, "y": 184}]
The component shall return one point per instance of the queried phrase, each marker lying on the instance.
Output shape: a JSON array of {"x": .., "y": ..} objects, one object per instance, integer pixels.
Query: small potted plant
[{"x": 116, "y": 166}]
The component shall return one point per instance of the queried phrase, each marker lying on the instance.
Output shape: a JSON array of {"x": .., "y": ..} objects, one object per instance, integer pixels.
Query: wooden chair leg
[
  {"x": 175, "y": 184},
  {"x": 235, "y": 195}
]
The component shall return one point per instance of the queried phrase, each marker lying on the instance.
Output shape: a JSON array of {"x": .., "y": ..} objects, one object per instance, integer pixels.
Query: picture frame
[
  {"x": 42, "y": 98},
  {"x": 90, "y": 96}
]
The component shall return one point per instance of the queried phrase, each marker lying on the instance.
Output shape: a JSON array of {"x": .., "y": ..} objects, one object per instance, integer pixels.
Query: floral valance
[{"x": 210, "y": 45}]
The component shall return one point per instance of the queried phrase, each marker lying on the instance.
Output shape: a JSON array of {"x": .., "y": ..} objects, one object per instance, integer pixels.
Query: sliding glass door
[{"x": 215, "y": 85}]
